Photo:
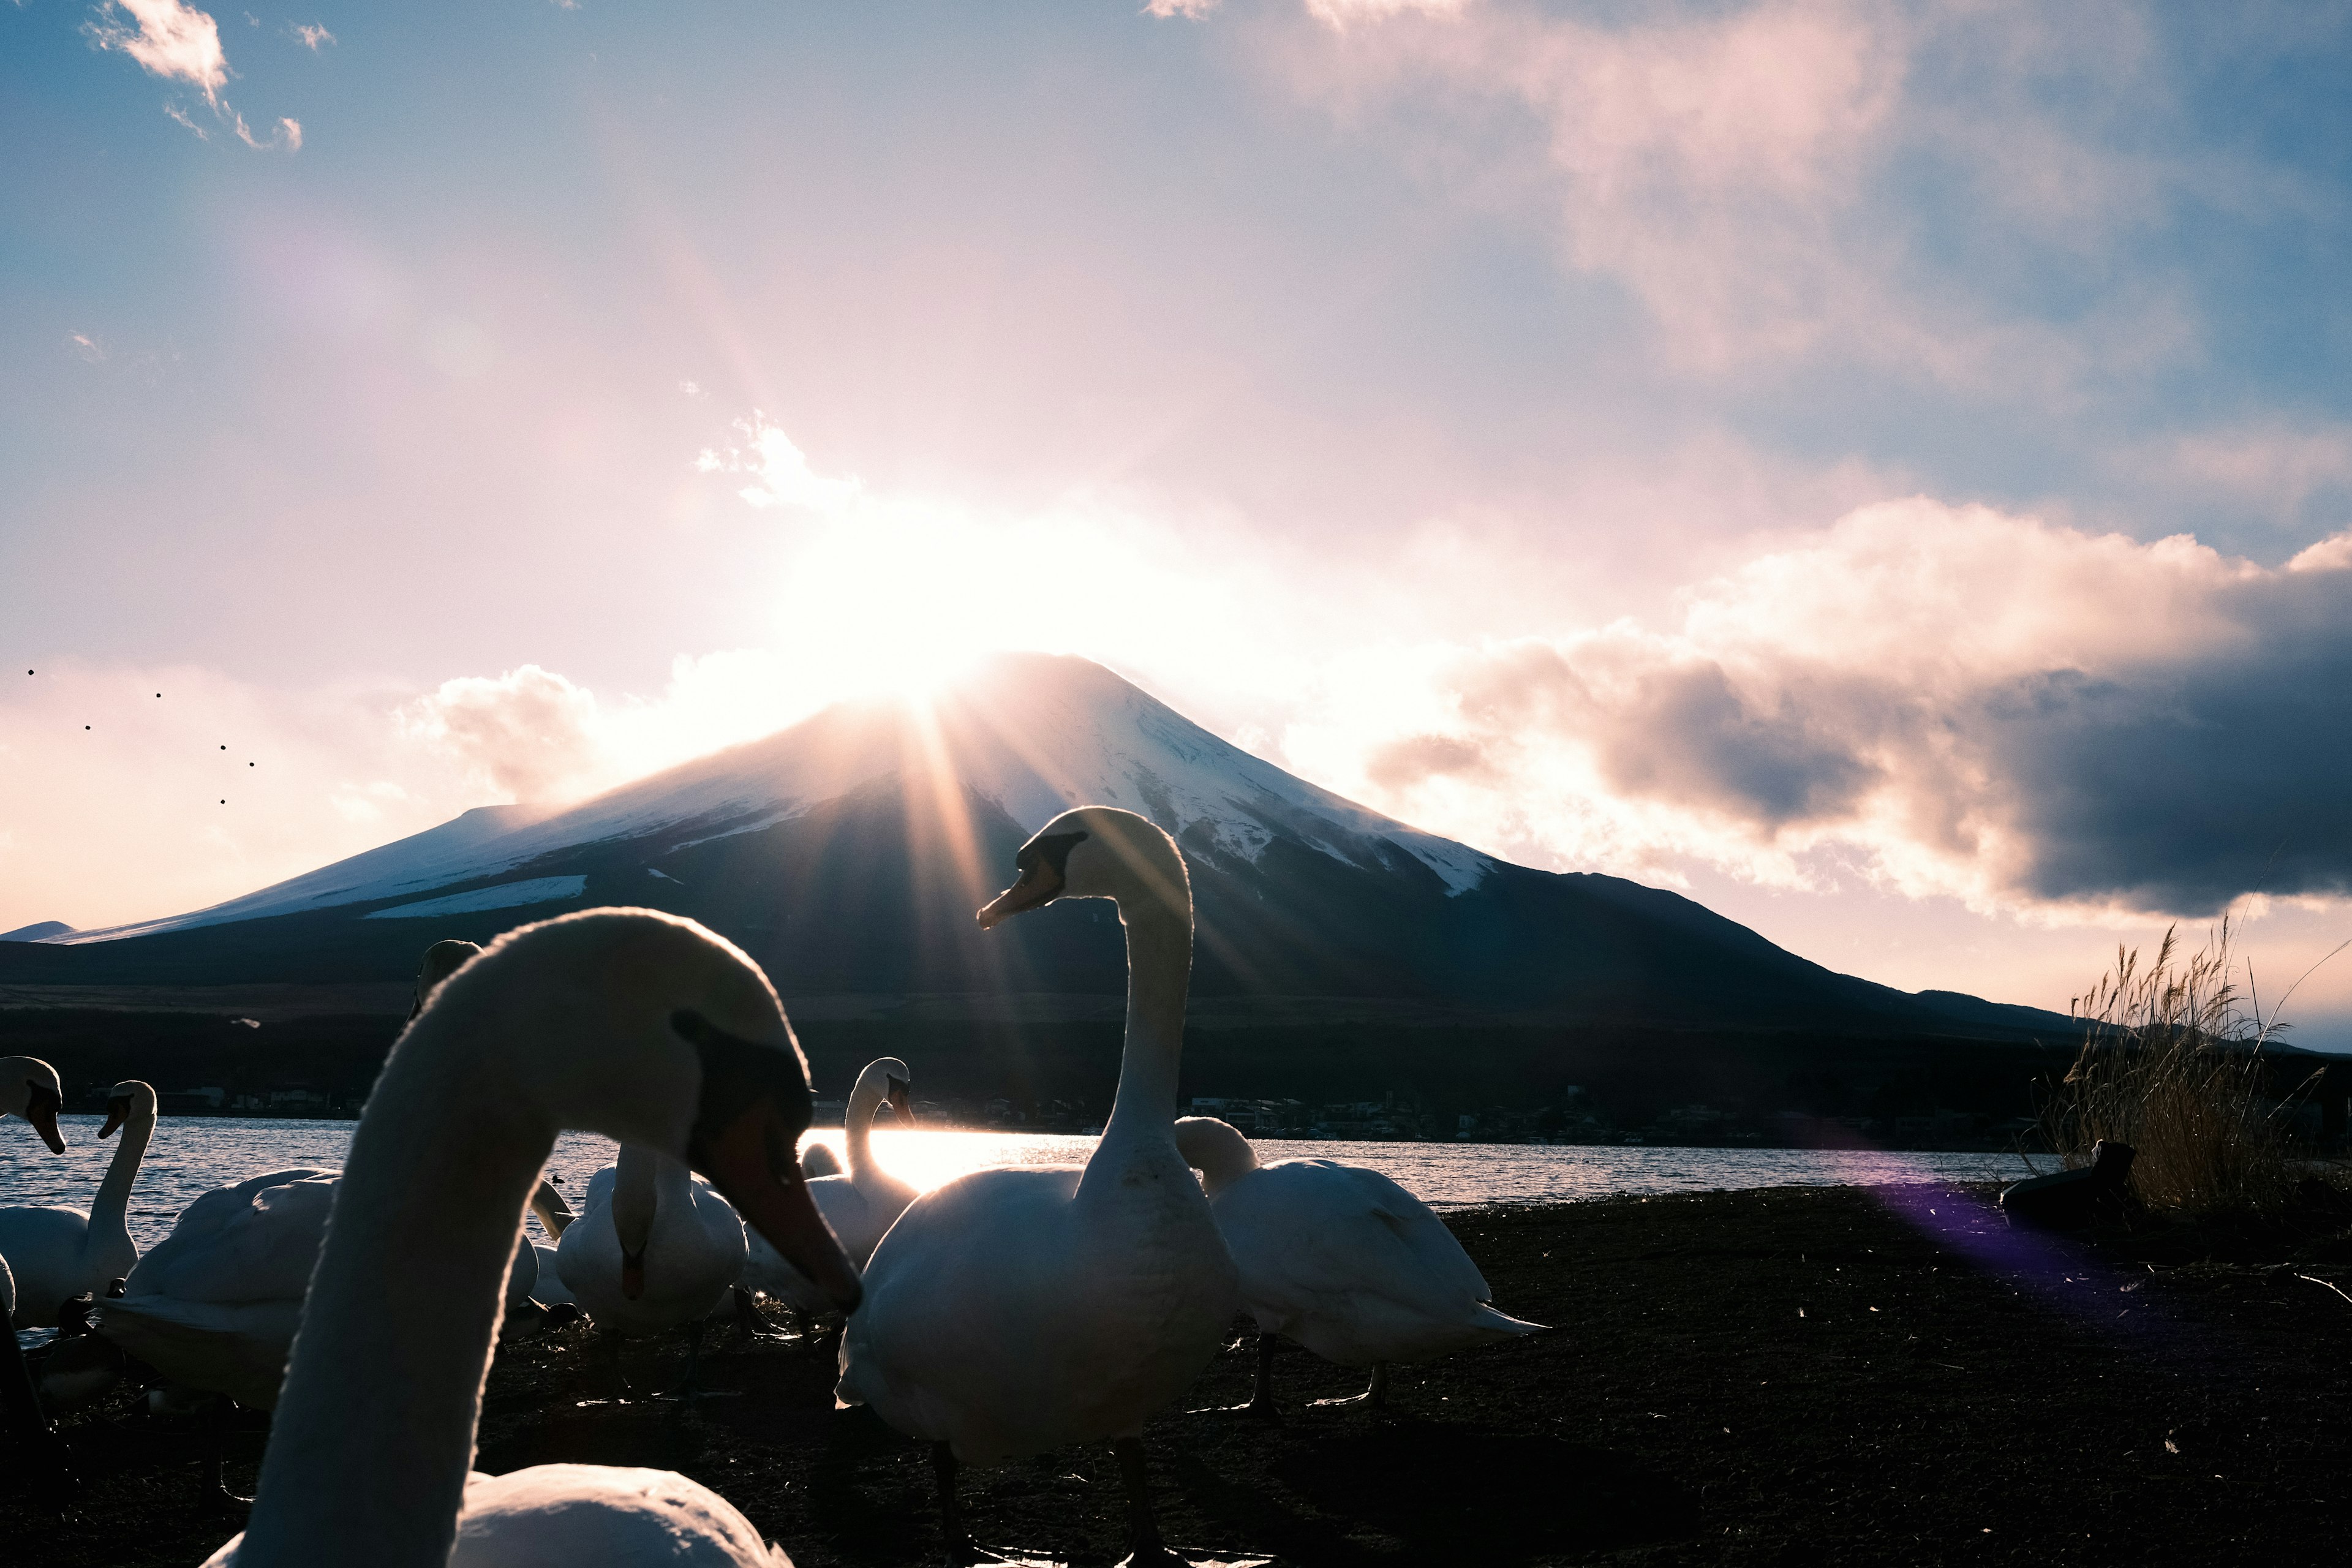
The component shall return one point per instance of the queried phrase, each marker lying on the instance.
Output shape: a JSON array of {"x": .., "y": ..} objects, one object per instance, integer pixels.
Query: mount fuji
[{"x": 849, "y": 852}]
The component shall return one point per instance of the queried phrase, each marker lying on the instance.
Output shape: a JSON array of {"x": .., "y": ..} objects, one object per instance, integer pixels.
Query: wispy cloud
[
  {"x": 88, "y": 349},
  {"x": 783, "y": 476},
  {"x": 179, "y": 43},
  {"x": 172, "y": 40},
  {"x": 311, "y": 36}
]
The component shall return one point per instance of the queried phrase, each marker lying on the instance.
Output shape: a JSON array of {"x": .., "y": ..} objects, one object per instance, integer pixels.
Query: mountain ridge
[{"x": 846, "y": 853}]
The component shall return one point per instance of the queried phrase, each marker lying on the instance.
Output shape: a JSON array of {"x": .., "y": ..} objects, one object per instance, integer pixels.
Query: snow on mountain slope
[{"x": 1036, "y": 733}]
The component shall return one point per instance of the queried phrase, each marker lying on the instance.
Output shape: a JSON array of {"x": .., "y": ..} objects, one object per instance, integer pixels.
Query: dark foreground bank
[{"x": 1799, "y": 1376}]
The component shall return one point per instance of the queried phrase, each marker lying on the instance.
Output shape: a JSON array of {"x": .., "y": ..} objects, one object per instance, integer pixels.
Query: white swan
[
  {"x": 654, "y": 1250},
  {"x": 632, "y": 1023},
  {"x": 1341, "y": 1260},
  {"x": 861, "y": 1207},
  {"x": 58, "y": 1253},
  {"x": 43, "y": 1452},
  {"x": 29, "y": 1089},
  {"x": 1015, "y": 1310},
  {"x": 215, "y": 1304}
]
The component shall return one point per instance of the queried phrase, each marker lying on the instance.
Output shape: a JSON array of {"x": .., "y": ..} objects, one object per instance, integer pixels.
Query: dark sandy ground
[{"x": 1794, "y": 1377}]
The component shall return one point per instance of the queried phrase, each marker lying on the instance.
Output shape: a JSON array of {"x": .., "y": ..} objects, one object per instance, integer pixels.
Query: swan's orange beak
[
  {"x": 1040, "y": 884},
  {"x": 752, "y": 1163},
  {"x": 901, "y": 1101}
]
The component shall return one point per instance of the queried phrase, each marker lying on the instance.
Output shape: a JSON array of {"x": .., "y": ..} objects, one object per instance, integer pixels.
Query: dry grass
[{"x": 2173, "y": 1064}]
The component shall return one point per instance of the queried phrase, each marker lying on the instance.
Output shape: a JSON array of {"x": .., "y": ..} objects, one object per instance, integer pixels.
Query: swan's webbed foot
[
  {"x": 1260, "y": 1403},
  {"x": 216, "y": 1499},
  {"x": 1375, "y": 1397}
]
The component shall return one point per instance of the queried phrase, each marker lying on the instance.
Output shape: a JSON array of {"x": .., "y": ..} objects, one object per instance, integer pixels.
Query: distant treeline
[{"x": 1612, "y": 1078}]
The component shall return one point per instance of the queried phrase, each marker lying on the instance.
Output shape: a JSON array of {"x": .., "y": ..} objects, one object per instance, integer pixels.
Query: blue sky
[{"x": 1873, "y": 466}]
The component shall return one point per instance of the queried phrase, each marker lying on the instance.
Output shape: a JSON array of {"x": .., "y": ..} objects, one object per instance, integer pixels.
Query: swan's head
[
  {"x": 652, "y": 1030},
  {"x": 1096, "y": 852},
  {"x": 442, "y": 960},
  {"x": 1215, "y": 1148},
  {"x": 126, "y": 1101},
  {"x": 29, "y": 1089},
  {"x": 886, "y": 1080}
]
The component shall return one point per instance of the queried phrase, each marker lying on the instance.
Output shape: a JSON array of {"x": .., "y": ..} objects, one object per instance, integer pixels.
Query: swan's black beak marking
[
  {"x": 1044, "y": 863},
  {"x": 747, "y": 1129},
  {"x": 901, "y": 1105},
  {"x": 117, "y": 1111},
  {"x": 633, "y": 1273},
  {"x": 41, "y": 1105}
]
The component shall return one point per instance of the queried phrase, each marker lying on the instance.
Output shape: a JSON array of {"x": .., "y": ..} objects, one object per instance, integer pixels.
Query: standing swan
[
  {"x": 1340, "y": 1259},
  {"x": 654, "y": 1250},
  {"x": 1014, "y": 1311},
  {"x": 860, "y": 1207},
  {"x": 59, "y": 1253},
  {"x": 625, "y": 1022}
]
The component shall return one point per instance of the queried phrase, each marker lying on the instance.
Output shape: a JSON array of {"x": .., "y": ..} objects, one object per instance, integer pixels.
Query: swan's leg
[
  {"x": 692, "y": 1386},
  {"x": 44, "y": 1451},
  {"x": 219, "y": 1499},
  {"x": 1262, "y": 1391},
  {"x": 611, "y": 1338},
  {"x": 1376, "y": 1395},
  {"x": 749, "y": 1323},
  {"x": 1143, "y": 1527},
  {"x": 957, "y": 1538}
]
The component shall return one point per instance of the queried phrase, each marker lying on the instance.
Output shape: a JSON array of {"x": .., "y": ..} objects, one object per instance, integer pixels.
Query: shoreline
[{"x": 1797, "y": 1375}]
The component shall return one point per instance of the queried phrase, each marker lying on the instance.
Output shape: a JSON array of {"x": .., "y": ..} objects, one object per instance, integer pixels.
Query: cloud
[
  {"x": 180, "y": 43},
  {"x": 1191, "y": 9},
  {"x": 1757, "y": 176},
  {"x": 172, "y": 40},
  {"x": 528, "y": 735},
  {"x": 88, "y": 349},
  {"x": 310, "y": 36},
  {"x": 784, "y": 476},
  {"x": 1948, "y": 700}
]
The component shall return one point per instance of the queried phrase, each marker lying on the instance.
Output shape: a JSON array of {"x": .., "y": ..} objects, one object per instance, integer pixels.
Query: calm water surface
[{"x": 192, "y": 1155}]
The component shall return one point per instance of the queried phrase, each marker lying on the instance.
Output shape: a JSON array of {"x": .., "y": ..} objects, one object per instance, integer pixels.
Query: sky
[{"x": 1883, "y": 469}]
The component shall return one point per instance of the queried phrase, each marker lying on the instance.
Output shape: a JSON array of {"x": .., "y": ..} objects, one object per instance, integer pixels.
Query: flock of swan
[{"x": 1006, "y": 1313}]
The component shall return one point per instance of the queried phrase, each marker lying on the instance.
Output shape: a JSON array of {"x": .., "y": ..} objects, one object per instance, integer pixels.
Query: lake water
[{"x": 192, "y": 1155}]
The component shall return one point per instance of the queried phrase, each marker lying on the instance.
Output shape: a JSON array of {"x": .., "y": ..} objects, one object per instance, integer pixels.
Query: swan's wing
[
  {"x": 959, "y": 1284},
  {"x": 559, "y": 1516},
  {"x": 600, "y": 1189},
  {"x": 1350, "y": 1264},
  {"x": 252, "y": 1242}
]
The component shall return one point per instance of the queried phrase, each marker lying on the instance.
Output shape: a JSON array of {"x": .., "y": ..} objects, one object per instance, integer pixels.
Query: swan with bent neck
[
  {"x": 1014, "y": 1311},
  {"x": 1341, "y": 1260},
  {"x": 633, "y": 1023},
  {"x": 60, "y": 1253},
  {"x": 859, "y": 1206}
]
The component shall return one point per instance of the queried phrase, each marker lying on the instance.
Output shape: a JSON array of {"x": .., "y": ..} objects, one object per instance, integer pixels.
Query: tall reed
[{"x": 2171, "y": 1063}]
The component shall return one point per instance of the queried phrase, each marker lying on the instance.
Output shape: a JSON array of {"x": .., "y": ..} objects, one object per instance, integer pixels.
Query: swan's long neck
[
  {"x": 1159, "y": 973},
  {"x": 374, "y": 1431},
  {"x": 857, "y": 1124},
  {"x": 114, "y": 1201}
]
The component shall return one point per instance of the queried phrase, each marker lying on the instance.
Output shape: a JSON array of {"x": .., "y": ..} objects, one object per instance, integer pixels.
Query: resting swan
[
  {"x": 1341, "y": 1260},
  {"x": 60, "y": 1253},
  {"x": 654, "y": 1250},
  {"x": 861, "y": 1207},
  {"x": 214, "y": 1305},
  {"x": 1015, "y": 1310},
  {"x": 636, "y": 1025}
]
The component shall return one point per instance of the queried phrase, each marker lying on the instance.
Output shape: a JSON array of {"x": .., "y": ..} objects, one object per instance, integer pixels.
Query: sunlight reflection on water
[{"x": 193, "y": 1154}]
